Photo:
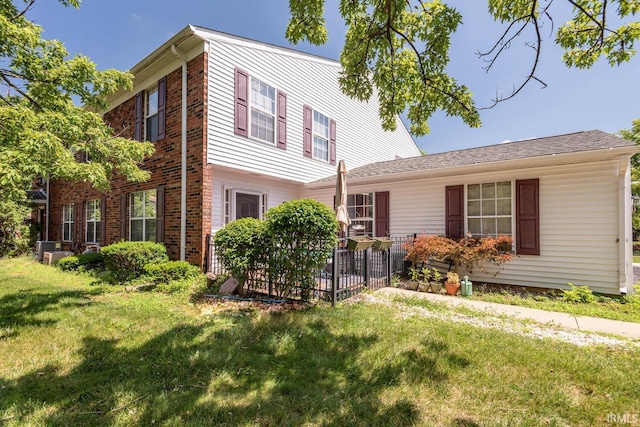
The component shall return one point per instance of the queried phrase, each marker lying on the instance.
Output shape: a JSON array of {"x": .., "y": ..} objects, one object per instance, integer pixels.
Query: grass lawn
[
  {"x": 73, "y": 353},
  {"x": 618, "y": 308}
]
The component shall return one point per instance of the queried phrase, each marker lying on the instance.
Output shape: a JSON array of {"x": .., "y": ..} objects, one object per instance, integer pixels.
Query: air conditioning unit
[{"x": 43, "y": 246}]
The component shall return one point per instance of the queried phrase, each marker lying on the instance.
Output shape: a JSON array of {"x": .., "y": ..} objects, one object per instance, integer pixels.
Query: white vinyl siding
[
  {"x": 361, "y": 139},
  {"x": 578, "y": 221}
]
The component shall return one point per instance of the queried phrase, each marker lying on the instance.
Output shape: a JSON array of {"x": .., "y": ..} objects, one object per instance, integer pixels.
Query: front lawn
[
  {"x": 74, "y": 353},
  {"x": 616, "y": 308}
]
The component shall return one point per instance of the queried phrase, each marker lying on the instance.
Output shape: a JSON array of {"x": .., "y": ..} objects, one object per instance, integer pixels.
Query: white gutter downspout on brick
[
  {"x": 625, "y": 254},
  {"x": 183, "y": 163}
]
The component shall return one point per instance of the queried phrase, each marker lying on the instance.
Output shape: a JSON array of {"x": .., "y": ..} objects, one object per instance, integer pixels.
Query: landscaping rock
[{"x": 229, "y": 287}]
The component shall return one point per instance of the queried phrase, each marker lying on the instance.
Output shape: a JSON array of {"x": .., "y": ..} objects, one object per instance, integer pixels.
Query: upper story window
[
  {"x": 151, "y": 115},
  {"x": 143, "y": 208},
  {"x": 93, "y": 221},
  {"x": 320, "y": 137},
  {"x": 263, "y": 111},
  {"x": 150, "y": 112},
  {"x": 260, "y": 110},
  {"x": 489, "y": 209},
  {"x": 67, "y": 222}
]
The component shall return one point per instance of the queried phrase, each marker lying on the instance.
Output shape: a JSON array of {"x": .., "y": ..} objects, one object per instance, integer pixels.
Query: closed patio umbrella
[{"x": 342, "y": 215}]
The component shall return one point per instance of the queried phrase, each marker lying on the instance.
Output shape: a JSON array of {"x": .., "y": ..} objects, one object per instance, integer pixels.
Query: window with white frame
[
  {"x": 243, "y": 204},
  {"x": 263, "y": 111},
  {"x": 360, "y": 208},
  {"x": 151, "y": 115},
  {"x": 489, "y": 209},
  {"x": 67, "y": 222},
  {"x": 142, "y": 221},
  {"x": 93, "y": 233},
  {"x": 320, "y": 136}
]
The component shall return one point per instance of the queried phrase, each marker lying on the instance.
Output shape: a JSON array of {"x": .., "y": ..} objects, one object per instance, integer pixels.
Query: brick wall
[{"x": 165, "y": 168}]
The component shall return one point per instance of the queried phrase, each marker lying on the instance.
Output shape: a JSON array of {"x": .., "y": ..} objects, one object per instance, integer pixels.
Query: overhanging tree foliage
[
  {"x": 42, "y": 132},
  {"x": 400, "y": 48},
  {"x": 633, "y": 134}
]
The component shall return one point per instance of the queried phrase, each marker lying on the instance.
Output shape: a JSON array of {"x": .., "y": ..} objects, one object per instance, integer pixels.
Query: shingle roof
[{"x": 539, "y": 147}]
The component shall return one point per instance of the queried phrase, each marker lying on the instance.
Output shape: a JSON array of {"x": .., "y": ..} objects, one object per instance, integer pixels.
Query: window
[
  {"x": 320, "y": 137},
  {"x": 150, "y": 109},
  {"x": 243, "y": 204},
  {"x": 263, "y": 111},
  {"x": 93, "y": 221},
  {"x": 360, "y": 208},
  {"x": 67, "y": 222},
  {"x": 151, "y": 115},
  {"x": 143, "y": 209},
  {"x": 489, "y": 209}
]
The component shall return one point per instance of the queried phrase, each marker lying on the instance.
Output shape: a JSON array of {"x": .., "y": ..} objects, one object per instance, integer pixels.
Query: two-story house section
[{"x": 239, "y": 126}]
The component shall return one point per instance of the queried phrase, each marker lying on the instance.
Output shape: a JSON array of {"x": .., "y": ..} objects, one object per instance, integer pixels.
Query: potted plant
[
  {"x": 425, "y": 274},
  {"x": 414, "y": 275},
  {"x": 452, "y": 284},
  {"x": 436, "y": 284}
]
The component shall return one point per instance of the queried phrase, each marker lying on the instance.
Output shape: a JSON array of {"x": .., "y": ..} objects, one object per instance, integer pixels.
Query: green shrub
[
  {"x": 579, "y": 295},
  {"x": 170, "y": 271},
  {"x": 241, "y": 246},
  {"x": 303, "y": 235},
  {"x": 126, "y": 260},
  {"x": 83, "y": 262}
]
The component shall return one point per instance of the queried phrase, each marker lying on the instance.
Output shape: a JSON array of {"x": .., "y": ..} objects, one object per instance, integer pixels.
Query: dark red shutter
[
  {"x": 78, "y": 220},
  {"x": 242, "y": 103},
  {"x": 382, "y": 213},
  {"x": 282, "y": 120},
  {"x": 160, "y": 214},
  {"x": 308, "y": 121},
  {"x": 103, "y": 222},
  {"x": 123, "y": 216},
  {"x": 139, "y": 113},
  {"x": 332, "y": 142},
  {"x": 527, "y": 217},
  {"x": 454, "y": 211},
  {"x": 162, "y": 102}
]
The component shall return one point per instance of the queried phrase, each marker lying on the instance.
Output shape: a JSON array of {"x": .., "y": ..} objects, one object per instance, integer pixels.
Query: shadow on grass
[
  {"x": 27, "y": 307},
  {"x": 273, "y": 369}
]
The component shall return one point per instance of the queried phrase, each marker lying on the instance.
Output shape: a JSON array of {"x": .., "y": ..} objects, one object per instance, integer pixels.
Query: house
[
  {"x": 565, "y": 199},
  {"x": 239, "y": 126}
]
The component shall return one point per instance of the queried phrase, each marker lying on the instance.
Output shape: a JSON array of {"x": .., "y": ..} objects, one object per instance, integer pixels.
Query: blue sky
[{"x": 118, "y": 34}]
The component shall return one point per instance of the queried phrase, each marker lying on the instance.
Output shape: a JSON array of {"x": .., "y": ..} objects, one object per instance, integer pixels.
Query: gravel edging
[{"x": 508, "y": 324}]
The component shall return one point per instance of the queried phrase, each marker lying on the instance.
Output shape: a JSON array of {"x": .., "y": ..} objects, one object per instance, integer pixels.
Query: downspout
[
  {"x": 625, "y": 254},
  {"x": 183, "y": 165},
  {"x": 46, "y": 227}
]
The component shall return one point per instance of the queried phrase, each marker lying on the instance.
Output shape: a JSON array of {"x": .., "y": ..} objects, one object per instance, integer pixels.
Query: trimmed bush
[
  {"x": 83, "y": 262},
  {"x": 579, "y": 295},
  {"x": 170, "y": 271},
  {"x": 126, "y": 260},
  {"x": 240, "y": 245},
  {"x": 303, "y": 235}
]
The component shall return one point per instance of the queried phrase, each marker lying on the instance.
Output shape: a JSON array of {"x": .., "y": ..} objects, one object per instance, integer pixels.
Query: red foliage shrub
[{"x": 471, "y": 253}]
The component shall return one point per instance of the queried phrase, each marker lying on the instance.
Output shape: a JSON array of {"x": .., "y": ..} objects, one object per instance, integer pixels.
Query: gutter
[{"x": 183, "y": 162}]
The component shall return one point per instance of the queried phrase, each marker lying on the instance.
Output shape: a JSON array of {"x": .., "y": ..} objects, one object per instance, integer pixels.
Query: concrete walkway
[{"x": 565, "y": 320}]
